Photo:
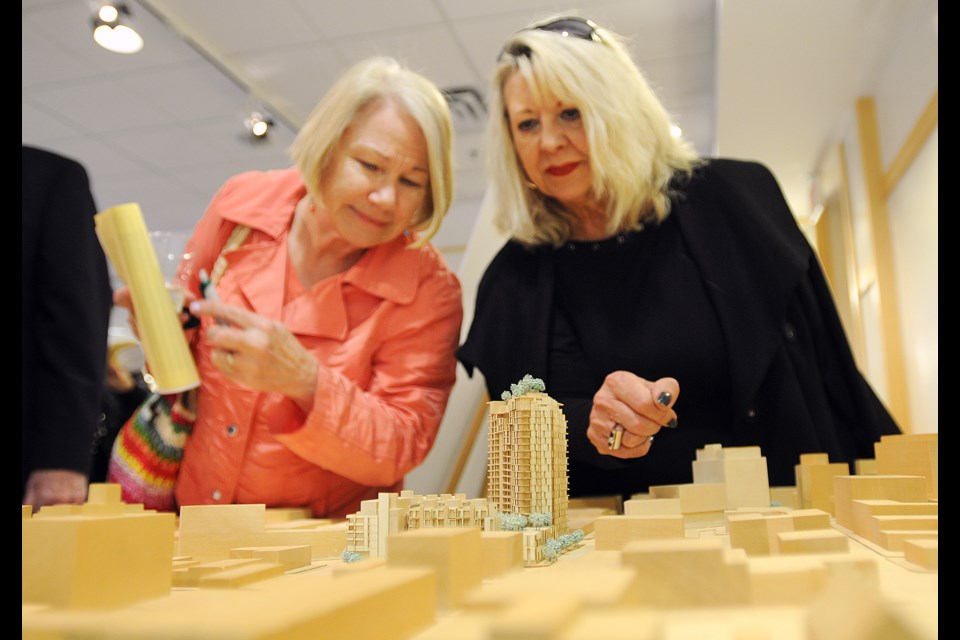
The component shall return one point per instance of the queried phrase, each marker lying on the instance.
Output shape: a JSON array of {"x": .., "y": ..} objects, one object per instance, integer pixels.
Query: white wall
[
  {"x": 905, "y": 83},
  {"x": 435, "y": 472}
]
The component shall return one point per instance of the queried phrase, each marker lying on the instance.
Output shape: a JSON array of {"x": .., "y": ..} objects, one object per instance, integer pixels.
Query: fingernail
[
  {"x": 672, "y": 424},
  {"x": 194, "y": 306},
  {"x": 664, "y": 398}
]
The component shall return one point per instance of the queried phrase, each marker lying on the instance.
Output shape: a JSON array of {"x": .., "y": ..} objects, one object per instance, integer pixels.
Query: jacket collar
[{"x": 389, "y": 271}]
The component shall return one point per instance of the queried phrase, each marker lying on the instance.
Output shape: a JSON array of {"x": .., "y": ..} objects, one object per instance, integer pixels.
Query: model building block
[
  {"x": 652, "y": 507},
  {"x": 785, "y": 497},
  {"x": 849, "y": 608},
  {"x": 455, "y": 554},
  {"x": 807, "y": 519},
  {"x": 815, "y": 475},
  {"x": 741, "y": 470},
  {"x": 104, "y": 493},
  {"x": 191, "y": 575},
  {"x": 596, "y": 586},
  {"x": 275, "y": 515},
  {"x": 208, "y": 532},
  {"x": 612, "y": 533},
  {"x": 289, "y": 557},
  {"x": 897, "y": 539},
  {"x": 699, "y": 502},
  {"x": 536, "y": 616},
  {"x": 242, "y": 575},
  {"x": 895, "y": 488},
  {"x": 96, "y": 562},
  {"x": 923, "y": 553},
  {"x": 915, "y": 454},
  {"x": 502, "y": 552},
  {"x": 817, "y": 541},
  {"x": 688, "y": 572},
  {"x": 748, "y": 531},
  {"x": 865, "y": 467},
  {"x": 796, "y": 579}
]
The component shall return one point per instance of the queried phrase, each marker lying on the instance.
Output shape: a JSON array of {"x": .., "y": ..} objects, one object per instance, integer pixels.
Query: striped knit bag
[
  {"x": 148, "y": 449},
  {"x": 147, "y": 452}
]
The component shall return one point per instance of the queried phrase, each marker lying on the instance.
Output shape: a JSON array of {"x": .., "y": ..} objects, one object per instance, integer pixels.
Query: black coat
[
  {"x": 794, "y": 385},
  {"x": 65, "y": 299}
]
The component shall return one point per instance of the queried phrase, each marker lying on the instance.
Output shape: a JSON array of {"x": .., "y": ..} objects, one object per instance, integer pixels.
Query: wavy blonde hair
[
  {"x": 633, "y": 152},
  {"x": 373, "y": 79}
]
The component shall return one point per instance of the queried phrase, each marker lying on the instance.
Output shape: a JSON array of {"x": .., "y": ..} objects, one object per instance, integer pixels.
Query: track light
[
  {"x": 258, "y": 125},
  {"x": 109, "y": 29}
]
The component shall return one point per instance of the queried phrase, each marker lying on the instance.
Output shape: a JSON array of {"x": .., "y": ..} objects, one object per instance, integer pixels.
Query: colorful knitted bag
[{"x": 147, "y": 452}]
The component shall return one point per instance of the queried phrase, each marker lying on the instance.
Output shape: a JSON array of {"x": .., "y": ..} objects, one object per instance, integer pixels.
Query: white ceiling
[{"x": 164, "y": 127}]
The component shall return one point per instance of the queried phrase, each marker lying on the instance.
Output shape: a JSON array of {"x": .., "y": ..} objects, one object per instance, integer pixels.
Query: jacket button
[
  {"x": 790, "y": 332},
  {"x": 216, "y": 495},
  {"x": 232, "y": 430}
]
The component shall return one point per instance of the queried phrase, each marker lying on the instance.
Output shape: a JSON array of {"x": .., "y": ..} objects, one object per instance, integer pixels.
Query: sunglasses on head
[{"x": 568, "y": 27}]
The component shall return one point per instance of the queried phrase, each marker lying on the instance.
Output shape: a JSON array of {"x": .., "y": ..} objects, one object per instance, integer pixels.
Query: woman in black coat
[{"x": 654, "y": 292}]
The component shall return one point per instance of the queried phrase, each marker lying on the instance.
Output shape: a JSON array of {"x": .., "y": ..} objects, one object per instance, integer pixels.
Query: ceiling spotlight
[
  {"x": 258, "y": 124},
  {"x": 109, "y": 29}
]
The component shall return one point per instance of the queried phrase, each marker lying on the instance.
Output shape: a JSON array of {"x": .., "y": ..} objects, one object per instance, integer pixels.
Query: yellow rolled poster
[{"x": 124, "y": 237}]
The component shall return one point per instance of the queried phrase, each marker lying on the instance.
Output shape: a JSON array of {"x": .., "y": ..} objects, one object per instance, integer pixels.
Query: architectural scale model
[
  {"x": 681, "y": 561},
  {"x": 526, "y": 485}
]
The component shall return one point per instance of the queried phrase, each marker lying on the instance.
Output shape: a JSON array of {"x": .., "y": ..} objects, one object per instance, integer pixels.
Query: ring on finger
[{"x": 616, "y": 436}]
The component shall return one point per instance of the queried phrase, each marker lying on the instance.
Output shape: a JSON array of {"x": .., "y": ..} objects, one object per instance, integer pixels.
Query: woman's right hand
[{"x": 123, "y": 299}]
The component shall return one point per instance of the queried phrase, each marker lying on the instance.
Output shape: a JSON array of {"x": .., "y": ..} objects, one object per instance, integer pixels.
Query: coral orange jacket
[{"x": 384, "y": 332}]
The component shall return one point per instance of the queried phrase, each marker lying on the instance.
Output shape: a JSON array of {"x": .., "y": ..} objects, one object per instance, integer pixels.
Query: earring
[{"x": 530, "y": 185}]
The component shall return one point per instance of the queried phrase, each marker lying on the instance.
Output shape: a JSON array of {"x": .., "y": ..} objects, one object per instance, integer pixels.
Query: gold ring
[{"x": 616, "y": 435}]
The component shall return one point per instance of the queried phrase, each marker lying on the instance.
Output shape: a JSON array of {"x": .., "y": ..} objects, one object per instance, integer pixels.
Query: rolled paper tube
[{"x": 124, "y": 237}]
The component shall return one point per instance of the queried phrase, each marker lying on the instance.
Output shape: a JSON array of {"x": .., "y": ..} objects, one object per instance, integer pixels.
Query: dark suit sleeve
[{"x": 72, "y": 301}]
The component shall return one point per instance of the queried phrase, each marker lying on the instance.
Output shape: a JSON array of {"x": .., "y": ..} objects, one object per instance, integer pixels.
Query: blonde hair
[
  {"x": 633, "y": 152},
  {"x": 373, "y": 79}
]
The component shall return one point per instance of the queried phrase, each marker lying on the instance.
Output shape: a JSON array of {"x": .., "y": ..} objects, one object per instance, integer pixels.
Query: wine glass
[{"x": 175, "y": 263}]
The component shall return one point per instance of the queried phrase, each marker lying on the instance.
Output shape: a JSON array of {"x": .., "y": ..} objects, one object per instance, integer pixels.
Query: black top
[
  {"x": 608, "y": 300},
  {"x": 726, "y": 296}
]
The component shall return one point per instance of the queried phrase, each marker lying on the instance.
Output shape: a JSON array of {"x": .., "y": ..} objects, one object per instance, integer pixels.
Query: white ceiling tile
[
  {"x": 188, "y": 91},
  {"x": 231, "y": 26},
  {"x": 38, "y": 125},
  {"x": 280, "y": 76},
  {"x": 432, "y": 51},
  {"x": 98, "y": 105},
  {"x": 338, "y": 19},
  {"x": 163, "y": 147},
  {"x": 533, "y": 9}
]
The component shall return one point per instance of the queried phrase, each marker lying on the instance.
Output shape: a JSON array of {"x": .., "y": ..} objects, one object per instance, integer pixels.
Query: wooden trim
[
  {"x": 928, "y": 121},
  {"x": 870, "y": 156},
  {"x": 852, "y": 265},
  {"x": 467, "y": 448}
]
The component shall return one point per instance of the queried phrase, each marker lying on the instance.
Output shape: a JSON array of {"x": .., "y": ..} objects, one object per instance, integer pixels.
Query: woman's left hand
[{"x": 259, "y": 353}]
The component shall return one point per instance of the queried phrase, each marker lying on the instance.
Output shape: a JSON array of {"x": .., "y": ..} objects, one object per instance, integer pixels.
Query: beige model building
[
  {"x": 526, "y": 479},
  {"x": 369, "y": 529},
  {"x": 527, "y": 458}
]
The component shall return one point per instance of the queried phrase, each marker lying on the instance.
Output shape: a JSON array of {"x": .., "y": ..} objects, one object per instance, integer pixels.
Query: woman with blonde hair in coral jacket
[{"x": 326, "y": 367}]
